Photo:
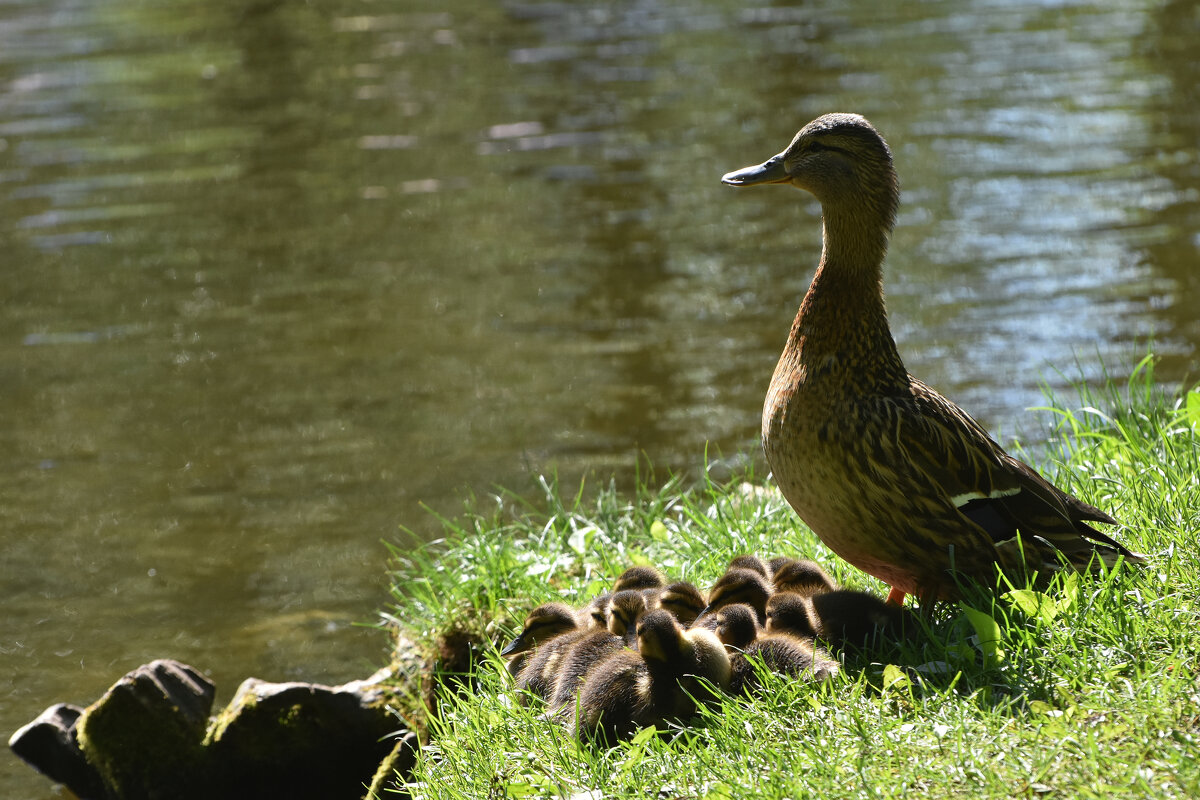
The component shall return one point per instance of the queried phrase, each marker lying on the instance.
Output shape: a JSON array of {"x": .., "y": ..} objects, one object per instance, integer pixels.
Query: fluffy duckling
[
  {"x": 577, "y": 661},
  {"x": 778, "y": 651},
  {"x": 846, "y": 617},
  {"x": 775, "y": 563},
  {"x": 594, "y": 615},
  {"x": 640, "y": 577},
  {"x": 784, "y": 654},
  {"x": 538, "y": 675},
  {"x": 750, "y": 562},
  {"x": 788, "y": 612},
  {"x": 543, "y": 624},
  {"x": 682, "y": 599},
  {"x": 624, "y": 610},
  {"x": 706, "y": 672},
  {"x": 802, "y": 577},
  {"x": 618, "y": 696},
  {"x": 739, "y": 585},
  {"x": 628, "y": 690},
  {"x": 736, "y": 626}
]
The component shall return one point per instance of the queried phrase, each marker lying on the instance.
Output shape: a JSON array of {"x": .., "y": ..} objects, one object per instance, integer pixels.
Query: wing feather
[{"x": 996, "y": 492}]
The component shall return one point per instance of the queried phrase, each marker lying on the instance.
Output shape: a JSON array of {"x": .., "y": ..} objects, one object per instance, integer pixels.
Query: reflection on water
[{"x": 276, "y": 274}]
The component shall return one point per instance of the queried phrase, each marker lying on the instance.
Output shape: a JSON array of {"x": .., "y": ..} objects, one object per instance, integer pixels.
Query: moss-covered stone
[
  {"x": 145, "y": 735},
  {"x": 301, "y": 740}
]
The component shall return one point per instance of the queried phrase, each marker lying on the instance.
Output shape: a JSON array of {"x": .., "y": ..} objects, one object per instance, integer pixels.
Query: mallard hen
[{"x": 891, "y": 475}]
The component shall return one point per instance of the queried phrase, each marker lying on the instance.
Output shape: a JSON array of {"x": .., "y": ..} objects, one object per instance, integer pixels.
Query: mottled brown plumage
[{"x": 892, "y": 476}]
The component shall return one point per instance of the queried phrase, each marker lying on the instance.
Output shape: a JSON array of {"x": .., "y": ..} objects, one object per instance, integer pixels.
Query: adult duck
[{"x": 891, "y": 475}]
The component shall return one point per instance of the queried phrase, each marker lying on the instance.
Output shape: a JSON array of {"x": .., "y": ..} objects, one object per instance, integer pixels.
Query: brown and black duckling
[
  {"x": 891, "y": 475},
  {"x": 778, "y": 650},
  {"x": 629, "y": 690},
  {"x": 775, "y": 563},
  {"x": 736, "y": 626},
  {"x": 784, "y": 654},
  {"x": 594, "y": 615},
  {"x": 624, "y": 610},
  {"x": 750, "y": 562},
  {"x": 739, "y": 585},
  {"x": 788, "y": 612},
  {"x": 802, "y": 577},
  {"x": 545, "y": 622},
  {"x": 849, "y": 618},
  {"x": 538, "y": 675},
  {"x": 639, "y": 577},
  {"x": 577, "y": 661},
  {"x": 682, "y": 599}
]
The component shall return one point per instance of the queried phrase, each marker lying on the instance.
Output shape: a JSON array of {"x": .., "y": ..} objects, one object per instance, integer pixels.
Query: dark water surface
[{"x": 274, "y": 274}]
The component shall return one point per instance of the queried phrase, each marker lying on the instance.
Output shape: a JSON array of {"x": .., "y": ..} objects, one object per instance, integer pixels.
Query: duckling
[
  {"x": 889, "y": 474},
  {"x": 583, "y": 654},
  {"x": 784, "y": 654},
  {"x": 750, "y": 562},
  {"x": 789, "y": 612},
  {"x": 778, "y": 651},
  {"x": 640, "y": 577},
  {"x": 803, "y": 577},
  {"x": 624, "y": 611},
  {"x": 538, "y": 674},
  {"x": 682, "y": 599},
  {"x": 629, "y": 690},
  {"x": 775, "y": 563},
  {"x": 594, "y": 615},
  {"x": 706, "y": 672},
  {"x": 846, "y": 617},
  {"x": 543, "y": 623},
  {"x": 617, "y": 697},
  {"x": 739, "y": 585},
  {"x": 736, "y": 626}
]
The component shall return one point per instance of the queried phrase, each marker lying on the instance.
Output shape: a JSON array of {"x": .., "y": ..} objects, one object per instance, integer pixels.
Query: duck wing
[{"x": 954, "y": 456}]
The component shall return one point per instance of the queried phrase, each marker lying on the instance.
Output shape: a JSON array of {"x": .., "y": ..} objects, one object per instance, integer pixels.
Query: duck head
[{"x": 841, "y": 159}]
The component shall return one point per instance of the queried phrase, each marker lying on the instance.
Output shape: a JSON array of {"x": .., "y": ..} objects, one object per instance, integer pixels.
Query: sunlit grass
[{"x": 1087, "y": 689}]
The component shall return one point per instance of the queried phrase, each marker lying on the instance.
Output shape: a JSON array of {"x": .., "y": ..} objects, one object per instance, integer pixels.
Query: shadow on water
[{"x": 278, "y": 274}]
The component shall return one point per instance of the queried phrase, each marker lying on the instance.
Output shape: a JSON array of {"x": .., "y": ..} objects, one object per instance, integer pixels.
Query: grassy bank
[{"x": 1087, "y": 690}]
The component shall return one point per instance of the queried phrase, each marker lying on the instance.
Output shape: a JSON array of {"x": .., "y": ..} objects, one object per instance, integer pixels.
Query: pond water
[{"x": 276, "y": 276}]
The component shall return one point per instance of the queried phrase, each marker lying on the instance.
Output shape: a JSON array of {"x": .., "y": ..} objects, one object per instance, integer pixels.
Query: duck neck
[{"x": 842, "y": 325}]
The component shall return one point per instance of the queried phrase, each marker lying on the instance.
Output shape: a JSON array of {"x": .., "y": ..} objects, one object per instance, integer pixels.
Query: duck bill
[
  {"x": 772, "y": 170},
  {"x": 517, "y": 645}
]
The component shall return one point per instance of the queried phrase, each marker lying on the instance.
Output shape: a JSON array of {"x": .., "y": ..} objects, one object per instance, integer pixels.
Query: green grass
[{"x": 1088, "y": 690}]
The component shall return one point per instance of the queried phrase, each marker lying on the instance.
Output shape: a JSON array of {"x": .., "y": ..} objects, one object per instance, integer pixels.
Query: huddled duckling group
[{"x": 647, "y": 651}]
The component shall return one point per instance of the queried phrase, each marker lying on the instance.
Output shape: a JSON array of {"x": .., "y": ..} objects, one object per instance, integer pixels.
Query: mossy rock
[
  {"x": 301, "y": 740},
  {"x": 145, "y": 736}
]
